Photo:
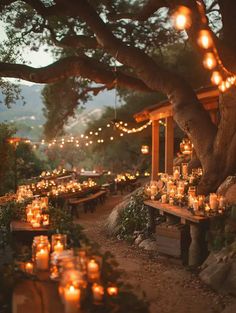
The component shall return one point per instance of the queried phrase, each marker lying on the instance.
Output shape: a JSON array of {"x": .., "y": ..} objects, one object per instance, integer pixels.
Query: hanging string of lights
[
  {"x": 92, "y": 137},
  {"x": 221, "y": 76}
]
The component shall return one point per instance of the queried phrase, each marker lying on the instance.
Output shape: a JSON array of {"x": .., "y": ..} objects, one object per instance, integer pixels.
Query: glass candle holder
[
  {"x": 176, "y": 172},
  {"x": 184, "y": 167},
  {"x": 59, "y": 242},
  {"x": 93, "y": 270},
  {"x": 42, "y": 256},
  {"x": 98, "y": 293},
  {"x": 38, "y": 242}
]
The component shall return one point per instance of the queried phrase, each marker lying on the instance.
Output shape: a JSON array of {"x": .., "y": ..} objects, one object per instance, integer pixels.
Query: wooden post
[
  {"x": 169, "y": 145},
  {"x": 155, "y": 149}
]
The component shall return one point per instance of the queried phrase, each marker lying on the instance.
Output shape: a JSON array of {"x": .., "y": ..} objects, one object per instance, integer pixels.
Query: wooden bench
[
  {"x": 198, "y": 226},
  {"x": 89, "y": 203}
]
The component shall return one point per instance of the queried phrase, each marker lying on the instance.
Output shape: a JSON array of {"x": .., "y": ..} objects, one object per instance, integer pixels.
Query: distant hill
[{"x": 29, "y": 118}]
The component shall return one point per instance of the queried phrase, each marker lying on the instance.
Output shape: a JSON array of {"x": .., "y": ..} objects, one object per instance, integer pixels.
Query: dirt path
[{"x": 169, "y": 287}]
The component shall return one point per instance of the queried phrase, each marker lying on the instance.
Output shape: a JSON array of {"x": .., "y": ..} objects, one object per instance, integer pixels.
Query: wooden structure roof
[{"x": 207, "y": 95}]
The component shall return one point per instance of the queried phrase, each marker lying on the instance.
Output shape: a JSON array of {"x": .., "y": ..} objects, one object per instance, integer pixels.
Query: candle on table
[
  {"x": 195, "y": 205},
  {"x": 176, "y": 175},
  {"x": 98, "y": 292},
  {"x": 185, "y": 169},
  {"x": 93, "y": 270},
  {"x": 42, "y": 258},
  {"x": 213, "y": 201},
  {"x": 163, "y": 198},
  {"x": 58, "y": 247},
  {"x": 112, "y": 291},
  {"x": 221, "y": 202},
  {"x": 201, "y": 200},
  {"x": 71, "y": 299},
  {"x": 29, "y": 216},
  {"x": 29, "y": 267}
]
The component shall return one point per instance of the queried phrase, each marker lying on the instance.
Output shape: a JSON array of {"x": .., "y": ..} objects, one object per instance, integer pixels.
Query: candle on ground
[
  {"x": 93, "y": 270},
  {"x": 71, "y": 299},
  {"x": 42, "y": 258},
  {"x": 29, "y": 268}
]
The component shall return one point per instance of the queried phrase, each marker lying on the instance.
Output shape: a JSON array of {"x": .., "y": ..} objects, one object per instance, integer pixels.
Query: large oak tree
[{"x": 95, "y": 33}]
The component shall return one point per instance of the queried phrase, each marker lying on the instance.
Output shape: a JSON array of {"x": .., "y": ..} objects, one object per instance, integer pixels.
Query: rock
[
  {"x": 138, "y": 239},
  {"x": 219, "y": 270},
  {"x": 215, "y": 274},
  {"x": 112, "y": 222},
  {"x": 149, "y": 245},
  {"x": 228, "y": 189}
]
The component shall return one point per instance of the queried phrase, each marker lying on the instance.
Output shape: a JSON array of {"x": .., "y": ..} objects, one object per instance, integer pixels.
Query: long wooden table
[{"x": 198, "y": 226}]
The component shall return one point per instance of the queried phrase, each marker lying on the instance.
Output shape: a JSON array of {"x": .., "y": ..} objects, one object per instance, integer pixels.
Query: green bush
[{"x": 134, "y": 217}]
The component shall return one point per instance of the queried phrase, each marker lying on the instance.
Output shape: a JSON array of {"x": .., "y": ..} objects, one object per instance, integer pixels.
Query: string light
[
  {"x": 221, "y": 77},
  {"x": 182, "y": 18},
  {"x": 133, "y": 130}
]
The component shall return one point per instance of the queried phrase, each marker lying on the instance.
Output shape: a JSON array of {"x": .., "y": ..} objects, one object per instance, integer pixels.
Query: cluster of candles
[
  {"x": 53, "y": 173},
  {"x": 124, "y": 177},
  {"x": 50, "y": 187},
  {"x": 178, "y": 187},
  {"x": 23, "y": 192},
  {"x": 75, "y": 271},
  {"x": 36, "y": 212}
]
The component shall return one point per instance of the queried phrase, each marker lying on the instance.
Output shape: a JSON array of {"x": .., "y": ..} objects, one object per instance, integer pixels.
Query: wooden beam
[
  {"x": 169, "y": 145},
  {"x": 155, "y": 149}
]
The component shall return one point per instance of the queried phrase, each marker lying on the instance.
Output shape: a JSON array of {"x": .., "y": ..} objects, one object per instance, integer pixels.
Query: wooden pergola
[{"x": 208, "y": 96}]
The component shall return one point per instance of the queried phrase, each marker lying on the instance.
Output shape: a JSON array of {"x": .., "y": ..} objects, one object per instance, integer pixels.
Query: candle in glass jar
[
  {"x": 195, "y": 205},
  {"x": 29, "y": 268},
  {"x": 98, "y": 292},
  {"x": 213, "y": 201},
  {"x": 93, "y": 270},
  {"x": 42, "y": 258},
  {"x": 201, "y": 200},
  {"x": 172, "y": 192},
  {"x": 163, "y": 198},
  {"x": 221, "y": 202},
  {"x": 71, "y": 299},
  {"x": 176, "y": 175},
  {"x": 58, "y": 247},
  {"x": 185, "y": 169},
  {"x": 29, "y": 216}
]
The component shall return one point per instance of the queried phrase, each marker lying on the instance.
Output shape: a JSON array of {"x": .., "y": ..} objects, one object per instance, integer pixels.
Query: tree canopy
[{"x": 119, "y": 43}]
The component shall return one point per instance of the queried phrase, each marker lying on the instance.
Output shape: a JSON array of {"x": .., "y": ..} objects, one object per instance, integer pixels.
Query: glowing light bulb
[
  {"x": 216, "y": 78},
  {"x": 182, "y": 18},
  {"x": 91, "y": 133},
  {"x": 209, "y": 61},
  {"x": 205, "y": 41},
  {"x": 100, "y": 129},
  {"x": 111, "y": 138},
  {"x": 82, "y": 136},
  {"x": 108, "y": 125},
  {"x": 121, "y": 134}
]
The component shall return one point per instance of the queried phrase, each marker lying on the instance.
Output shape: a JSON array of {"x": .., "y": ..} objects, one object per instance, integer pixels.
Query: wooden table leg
[{"x": 197, "y": 248}]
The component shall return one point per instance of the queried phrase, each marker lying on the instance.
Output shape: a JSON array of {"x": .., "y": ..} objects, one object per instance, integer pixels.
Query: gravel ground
[{"x": 169, "y": 287}]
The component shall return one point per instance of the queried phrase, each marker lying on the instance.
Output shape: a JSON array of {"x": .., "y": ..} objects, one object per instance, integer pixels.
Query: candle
[
  {"x": 213, "y": 201},
  {"x": 207, "y": 208},
  {"x": 171, "y": 201},
  {"x": 98, "y": 292},
  {"x": 176, "y": 175},
  {"x": 93, "y": 270},
  {"x": 45, "y": 220},
  {"x": 201, "y": 200},
  {"x": 29, "y": 216},
  {"x": 163, "y": 198},
  {"x": 172, "y": 192},
  {"x": 221, "y": 202},
  {"x": 185, "y": 169},
  {"x": 112, "y": 291},
  {"x": 35, "y": 224},
  {"x": 29, "y": 268},
  {"x": 195, "y": 205},
  {"x": 58, "y": 247},
  {"x": 71, "y": 299},
  {"x": 42, "y": 258}
]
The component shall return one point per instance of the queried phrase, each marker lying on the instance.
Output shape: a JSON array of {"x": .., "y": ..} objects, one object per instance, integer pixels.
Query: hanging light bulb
[
  {"x": 111, "y": 138},
  {"x": 108, "y": 125},
  {"x": 145, "y": 149},
  {"x": 182, "y": 18},
  {"x": 205, "y": 40},
  {"x": 209, "y": 61},
  {"x": 216, "y": 78}
]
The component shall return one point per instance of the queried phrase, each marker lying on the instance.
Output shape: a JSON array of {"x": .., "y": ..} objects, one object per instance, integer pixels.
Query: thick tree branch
[{"x": 73, "y": 66}]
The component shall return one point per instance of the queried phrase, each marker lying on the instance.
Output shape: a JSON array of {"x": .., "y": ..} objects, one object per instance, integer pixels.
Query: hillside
[{"x": 29, "y": 118}]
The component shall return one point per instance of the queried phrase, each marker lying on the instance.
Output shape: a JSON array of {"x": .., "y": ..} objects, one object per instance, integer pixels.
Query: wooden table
[
  {"x": 24, "y": 232},
  {"x": 197, "y": 225}
]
